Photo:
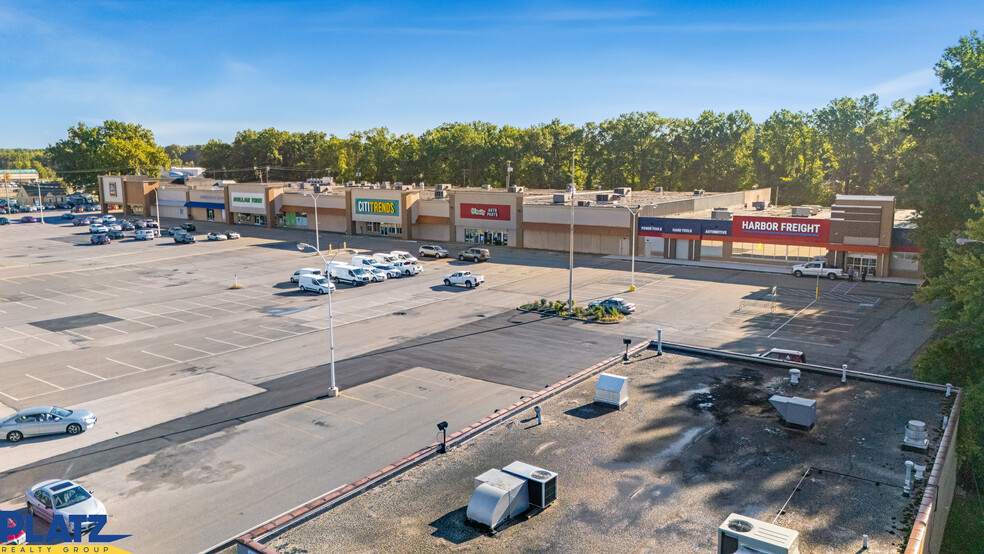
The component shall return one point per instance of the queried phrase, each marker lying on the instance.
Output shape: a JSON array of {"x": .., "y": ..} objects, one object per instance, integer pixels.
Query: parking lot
[{"x": 205, "y": 393}]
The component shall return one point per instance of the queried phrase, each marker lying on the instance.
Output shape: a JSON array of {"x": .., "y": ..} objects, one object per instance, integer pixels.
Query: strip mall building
[{"x": 857, "y": 231}]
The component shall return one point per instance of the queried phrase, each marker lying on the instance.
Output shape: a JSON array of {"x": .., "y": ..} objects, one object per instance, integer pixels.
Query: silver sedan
[{"x": 45, "y": 420}]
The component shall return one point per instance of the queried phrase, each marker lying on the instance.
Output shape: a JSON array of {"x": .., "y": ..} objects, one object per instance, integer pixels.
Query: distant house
[
  {"x": 42, "y": 194},
  {"x": 18, "y": 175}
]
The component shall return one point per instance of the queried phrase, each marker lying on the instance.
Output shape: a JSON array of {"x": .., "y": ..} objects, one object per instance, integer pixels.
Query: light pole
[
  {"x": 962, "y": 241},
  {"x": 570, "y": 281},
  {"x": 317, "y": 233},
  {"x": 508, "y": 172},
  {"x": 157, "y": 203},
  {"x": 40, "y": 203},
  {"x": 333, "y": 390},
  {"x": 634, "y": 220}
]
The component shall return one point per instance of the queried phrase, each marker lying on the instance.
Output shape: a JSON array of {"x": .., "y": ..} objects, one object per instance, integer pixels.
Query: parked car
[
  {"x": 96, "y": 220},
  {"x": 316, "y": 283},
  {"x": 347, "y": 273},
  {"x": 375, "y": 275},
  {"x": 116, "y": 234},
  {"x": 109, "y": 218},
  {"x": 190, "y": 227},
  {"x": 64, "y": 498},
  {"x": 216, "y": 236},
  {"x": 4, "y": 221},
  {"x": 618, "y": 303},
  {"x": 785, "y": 355},
  {"x": 171, "y": 231},
  {"x": 151, "y": 223},
  {"x": 114, "y": 227},
  {"x": 184, "y": 237},
  {"x": 391, "y": 272},
  {"x": 126, "y": 225},
  {"x": 98, "y": 228},
  {"x": 408, "y": 268},
  {"x": 81, "y": 221},
  {"x": 432, "y": 250},
  {"x": 139, "y": 224},
  {"x": 384, "y": 258},
  {"x": 78, "y": 209},
  {"x": 813, "y": 269},
  {"x": 100, "y": 238},
  {"x": 232, "y": 235},
  {"x": 143, "y": 234},
  {"x": 49, "y": 206},
  {"x": 296, "y": 277},
  {"x": 67, "y": 216},
  {"x": 464, "y": 278},
  {"x": 404, "y": 255},
  {"x": 19, "y": 538},
  {"x": 475, "y": 255},
  {"x": 29, "y": 219},
  {"x": 45, "y": 420}
]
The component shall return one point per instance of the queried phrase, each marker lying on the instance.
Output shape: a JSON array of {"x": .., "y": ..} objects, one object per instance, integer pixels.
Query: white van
[
  {"x": 404, "y": 255},
  {"x": 143, "y": 234},
  {"x": 316, "y": 283},
  {"x": 347, "y": 273},
  {"x": 385, "y": 258},
  {"x": 408, "y": 268},
  {"x": 359, "y": 261},
  {"x": 296, "y": 277}
]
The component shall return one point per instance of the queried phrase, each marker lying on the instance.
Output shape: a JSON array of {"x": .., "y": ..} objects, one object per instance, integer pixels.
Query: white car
[
  {"x": 217, "y": 236},
  {"x": 296, "y": 277},
  {"x": 98, "y": 228},
  {"x": 391, "y": 272},
  {"x": 376, "y": 275},
  {"x": 144, "y": 234},
  {"x": 403, "y": 255},
  {"x": 64, "y": 498},
  {"x": 432, "y": 250},
  {"x": 109, "y": 218},
  {"x": 408, "y": 268},
  {"x": 115, "y": 227},
  {"x": 384, "y": 258},
  {"x": 466, "y": 278},
  {"x": 232, "y": 235}
]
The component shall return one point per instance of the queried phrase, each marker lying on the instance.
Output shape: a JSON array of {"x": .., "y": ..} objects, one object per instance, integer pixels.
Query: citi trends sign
[
  {"x": 377, "y": 207},
  {"x": 485, "y": 211},
  {"x": 781, "y": 230}
]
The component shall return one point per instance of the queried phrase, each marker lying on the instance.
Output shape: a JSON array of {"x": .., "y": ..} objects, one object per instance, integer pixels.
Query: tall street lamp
[
  {"x": 962, "y": 241},
  {"x": 634, "y": 220},
  {"x": 570, "y": 281},
  {"x": 157, "y": 203},
  {"x": 317, "y": 233},
  {"x": 333, "y": 390},
  {"x": 40, "y": 202}
]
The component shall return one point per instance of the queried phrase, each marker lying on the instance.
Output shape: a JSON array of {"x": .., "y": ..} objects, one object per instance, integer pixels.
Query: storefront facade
[
  {"x": 207, "y": 204},
  {"x": 487, "y": 217},
  {"x": 297, "y": 212},
  {"x": 253, "y": 204},
  {"x": 380, "y": 212}
]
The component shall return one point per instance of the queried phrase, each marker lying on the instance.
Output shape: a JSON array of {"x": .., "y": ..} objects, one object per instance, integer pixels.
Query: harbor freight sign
[
  {"x": 781, "y": 230},
  {"x": 365, "y": 206},
  {"x": 486, "y": 211}
]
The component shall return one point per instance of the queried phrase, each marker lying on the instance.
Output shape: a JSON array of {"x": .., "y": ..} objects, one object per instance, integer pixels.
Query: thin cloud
[
  {"x": 915, "y": 82},
  {"x": 593, "y": 15}
]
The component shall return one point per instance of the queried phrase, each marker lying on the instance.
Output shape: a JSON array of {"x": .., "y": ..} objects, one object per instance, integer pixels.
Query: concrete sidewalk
[{"x": 761, "y": 268}]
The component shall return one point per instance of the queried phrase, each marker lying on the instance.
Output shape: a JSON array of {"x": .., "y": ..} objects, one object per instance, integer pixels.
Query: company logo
[
  {"x": 780, "y": 227},
  {"x": 112, "y": 189},
  {"x": 491, "y": 212},
  {"x": 58, "y": 532},
  {"x": 485, "y": 211},
  {"x": 376, "y": 207},
  {"x": 248, "y": 199}
]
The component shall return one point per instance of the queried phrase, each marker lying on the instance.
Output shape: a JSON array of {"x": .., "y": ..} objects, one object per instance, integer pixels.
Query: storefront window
[
  {"x": 300, "y": 220},
  {"x": 775, "y": 252},
  {"x": 861, "y": 262},
  {"x": 479, "y": 236},
  {"x": 210, "y": 215},
  {"x": 260, "y": 220},
  {"x": 905, "y": 261},
  {"x": 711, "y": 249},
  {"x": 244, "y": 219}
]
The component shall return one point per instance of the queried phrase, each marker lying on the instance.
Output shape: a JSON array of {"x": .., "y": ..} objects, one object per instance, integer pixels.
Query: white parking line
[
  {"x": 165, "y": 357},
  {"x": 149, "y": 314},
  {"x": 11, "y": 397},
  {"x": 126, "y": 364},
  {"x": 23, "y": 304},
  {"x": 86, "y": 372},
  {"x": 113, "y": 329},
  {"x": 43, "y": 381},
  {"x": 66, "y": 294},
  {"x": 281, "y": 330},
  {"x": 77, "y": 334},
  {"x": 11, "y": 348},
  {"x": 238, "y": 302},
  {"x": 204, "y": 305},
  {"x": 195, "y": 349},
  {"x": 189, "y": 311},
  {"x": 792, "y": 318},
  {"x": 224, "y": 342},
  {"x": 32, "y": 336},
  {"x": 140, "y": 322},
  {"x": 100, "y": 292},
  {"x": 253, "y": 336}
]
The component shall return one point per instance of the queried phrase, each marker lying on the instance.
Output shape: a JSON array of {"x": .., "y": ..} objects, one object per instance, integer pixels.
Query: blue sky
[{"x": 194, "y": 71}]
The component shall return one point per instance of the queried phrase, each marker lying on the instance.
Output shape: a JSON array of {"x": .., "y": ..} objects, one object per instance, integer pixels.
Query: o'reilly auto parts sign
[
  {"x": 367, "y": 206},
  {"x": 247, "y": 200}
]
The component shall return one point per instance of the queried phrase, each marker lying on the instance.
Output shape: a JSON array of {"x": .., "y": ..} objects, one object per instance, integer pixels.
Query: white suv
[{"x": 408, "y": 268}]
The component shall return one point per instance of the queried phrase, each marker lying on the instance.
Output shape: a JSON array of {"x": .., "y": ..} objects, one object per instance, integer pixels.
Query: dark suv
[
  {"x": 475, "y": 255},
  {"x": 190, "y": 227}
]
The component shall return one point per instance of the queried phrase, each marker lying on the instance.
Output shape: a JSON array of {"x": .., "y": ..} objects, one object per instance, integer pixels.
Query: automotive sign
[
  {"x": 781, "y": 230},
  {"x": 486, "y": 211},
  {"x": 365, "y": 206}
]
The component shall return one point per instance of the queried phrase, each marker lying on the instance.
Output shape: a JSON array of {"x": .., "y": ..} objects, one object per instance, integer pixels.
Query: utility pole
[
  {"x": 570, "y": 281},
  {"x": 508, "y": 171},
  {"x": 464, "y": 178},
  {"x": 267, "y": 174}
]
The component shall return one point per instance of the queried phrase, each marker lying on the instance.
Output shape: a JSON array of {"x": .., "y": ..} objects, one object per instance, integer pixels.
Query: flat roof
[
  {"x": 697, "y": 441},
  {"x": 770, "y": 211}
]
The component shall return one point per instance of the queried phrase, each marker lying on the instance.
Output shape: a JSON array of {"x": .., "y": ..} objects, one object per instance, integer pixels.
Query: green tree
[
  {"x": 790, "y": 159},
  {"x": 113, "y": 147}
]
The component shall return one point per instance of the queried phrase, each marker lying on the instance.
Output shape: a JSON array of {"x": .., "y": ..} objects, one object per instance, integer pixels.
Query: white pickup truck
[
  {"x": 464, "y": 278},
  {"x": 813, "y": 269}
]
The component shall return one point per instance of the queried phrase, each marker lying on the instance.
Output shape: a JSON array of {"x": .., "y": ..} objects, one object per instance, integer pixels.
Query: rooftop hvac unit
[
  {"x": 814, "y": 209},
  {"x": 916, "y": 437},
  {"x": 758, "y": 205},
  {"x": 439, "y": 193},
  {"x": 800, "y": 413},
  {"x": 698, "y": 192},
  {"x": 583, "y": 203},
  {"x": 605, "y": 197},
  {"x": 721, "y": 213},
  {"x": 623, "y": 191},
  {"x": 486, "y": 187},
  {"x": 541, "y": 482},
  {"x": 521, "y": 190},
  {"x": 802, "y": 211},
  {"x": 511, "y": 189},
  {"x": 612, "y": 390},
  {"x": 740, "y": 534},
  {"x": 497, "y": 497},
  {"x": 560, "y": 198}
]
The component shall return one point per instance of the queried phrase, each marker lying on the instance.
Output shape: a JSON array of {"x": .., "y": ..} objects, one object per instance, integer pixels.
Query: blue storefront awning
[{"x": 206, "y": 205}]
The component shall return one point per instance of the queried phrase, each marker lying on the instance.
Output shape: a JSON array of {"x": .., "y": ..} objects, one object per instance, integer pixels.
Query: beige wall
[
  {"x": 439, "y": 233},
  {"x": 438, "y": 207},
  {"x": 584, "y": 242},
  {"x": 608, "y": 217}
]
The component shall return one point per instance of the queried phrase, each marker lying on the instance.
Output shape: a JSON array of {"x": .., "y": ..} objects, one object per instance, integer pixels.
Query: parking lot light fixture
[
  {"x": 962, "y": 241},
  {"x": 333, "y": 387},
  {"x": 317, "y": 233}
]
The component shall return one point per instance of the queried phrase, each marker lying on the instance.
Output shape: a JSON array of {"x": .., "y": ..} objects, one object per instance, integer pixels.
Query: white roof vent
[
  {"x": 542, "y": 483},
  {"x": 916, "y": 437},
  {"x": 744, "y": 534},
  {"x": 498, "y": 496},
  {"x": 612, "y": 390},
  {"x": 799, "y": 413}
]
